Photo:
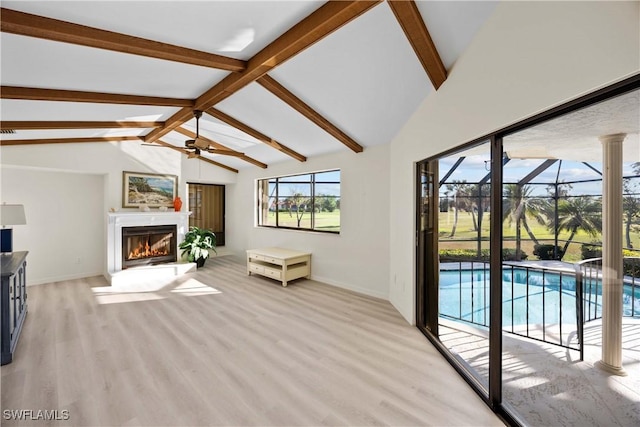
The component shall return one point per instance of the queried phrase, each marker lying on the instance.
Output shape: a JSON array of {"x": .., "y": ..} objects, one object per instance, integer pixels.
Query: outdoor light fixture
[{"x": 10, "y": 215}]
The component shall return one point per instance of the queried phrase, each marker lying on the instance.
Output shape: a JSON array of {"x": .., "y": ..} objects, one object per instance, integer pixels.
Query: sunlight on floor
[
  {"x": 152, "y": 290},
  {"x": 193, "y": 287}
]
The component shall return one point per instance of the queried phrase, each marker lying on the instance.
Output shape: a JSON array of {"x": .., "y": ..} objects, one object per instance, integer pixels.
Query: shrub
[
  {"x": 508, "y": 254},
  {"x": 546, "y": 252},
  {"x": 630, "y": 267},
  {"x": 590, "y": 250}
]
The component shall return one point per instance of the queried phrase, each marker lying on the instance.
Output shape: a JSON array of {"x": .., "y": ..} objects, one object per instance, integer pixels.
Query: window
[{"x": 308, "y": 201}]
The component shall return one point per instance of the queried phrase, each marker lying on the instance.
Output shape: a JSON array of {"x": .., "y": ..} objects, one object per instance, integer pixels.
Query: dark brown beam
[
  {"x": 217, "y": 145},
  {"x": 411, "y": 21},
  {"x": 254, "y": 133},
  {"x": 325, "y": 20},
  {"x": 36, "y": 94},
  {"x": 68, "y": 140},
  {"x": 199, "y": 157},
  {"x": 26, "y": 125},
  {"x": 26, "y": 24},
  {"x": 296, "y": 103}
]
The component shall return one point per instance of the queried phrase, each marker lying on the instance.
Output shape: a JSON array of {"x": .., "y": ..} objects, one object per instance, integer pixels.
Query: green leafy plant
[
  {"x": 508, "y": 254},
  {"x": 196, "y": 244},
  {"x": 547, "y": 252}
]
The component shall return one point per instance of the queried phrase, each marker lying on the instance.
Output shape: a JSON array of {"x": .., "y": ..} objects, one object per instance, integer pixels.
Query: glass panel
[
  {"x": 296, "y": 178},
  {"x": 307, "y": 201},
  {"x": 270, "y": 212},
  {"x": 547, "y": 239},
  {"x": 327, "y": 212},
  {"x": 330, "y": 176},
  {"x": 463, "y": 242},
  {"x": 289, "y": 189}
]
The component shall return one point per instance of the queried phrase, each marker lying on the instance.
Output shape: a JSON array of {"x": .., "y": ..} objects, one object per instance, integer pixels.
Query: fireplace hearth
[{"x": 148, "y": 245}]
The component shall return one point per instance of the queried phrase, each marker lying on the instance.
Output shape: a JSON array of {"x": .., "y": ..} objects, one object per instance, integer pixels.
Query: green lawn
[
  {"x": 324, "y": 221},
  {"x": 465, "y": 231}
]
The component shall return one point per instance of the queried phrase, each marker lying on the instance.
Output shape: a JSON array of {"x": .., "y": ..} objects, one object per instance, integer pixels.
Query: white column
[{"x": 612, "y": 254}]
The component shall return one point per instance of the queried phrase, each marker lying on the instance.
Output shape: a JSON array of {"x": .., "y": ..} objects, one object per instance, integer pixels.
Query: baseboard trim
[
  {"x": 357, "y": 289},
  {"x": 54, "y": 279}
]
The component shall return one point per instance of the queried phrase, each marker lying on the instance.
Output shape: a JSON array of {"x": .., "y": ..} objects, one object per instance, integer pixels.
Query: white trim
[{"x": 117, "y": 220}]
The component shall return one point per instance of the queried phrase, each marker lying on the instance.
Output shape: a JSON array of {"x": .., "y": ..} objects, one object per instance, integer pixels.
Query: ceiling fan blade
[{"x": 192, "y": 155}]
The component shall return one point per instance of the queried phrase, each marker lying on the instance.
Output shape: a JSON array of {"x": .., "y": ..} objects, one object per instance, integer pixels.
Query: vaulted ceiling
[{"x": 276, "y": 80}]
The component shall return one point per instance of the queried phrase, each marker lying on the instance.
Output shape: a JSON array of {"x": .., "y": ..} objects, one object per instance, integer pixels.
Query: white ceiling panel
[
  {"x": 32, "y": 62},
  {"x": 265, "y": 154},
  {"x": 453, "y": 24},
  {"x": 237, "y": 29},
  {"x": 365, "y": 78},
  {"x": 223, "y": 133},
  {"x": 258, "y": 108},
  {"x": 13, "y": 109}
]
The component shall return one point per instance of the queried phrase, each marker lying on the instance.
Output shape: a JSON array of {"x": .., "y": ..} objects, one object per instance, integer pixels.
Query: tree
[
  {"x": 579, "y": 213},
  {"x": 631, "y": 206},
  {"x": 326, "y": 203},
  {"x": 298, "y": 201},
  {"x": 457, "y": 189},
  {"x": 518, "y": 205}
]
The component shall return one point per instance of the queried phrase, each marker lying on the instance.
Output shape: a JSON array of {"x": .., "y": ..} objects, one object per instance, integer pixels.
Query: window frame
[{"x": 312, "y": 182}]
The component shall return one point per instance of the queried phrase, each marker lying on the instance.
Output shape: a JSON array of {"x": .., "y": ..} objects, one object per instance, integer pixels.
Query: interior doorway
[{"x": 207, "y": 204}]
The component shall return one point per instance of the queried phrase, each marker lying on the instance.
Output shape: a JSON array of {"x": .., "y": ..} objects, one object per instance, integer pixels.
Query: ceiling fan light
[{"x": 201, "y": 143}]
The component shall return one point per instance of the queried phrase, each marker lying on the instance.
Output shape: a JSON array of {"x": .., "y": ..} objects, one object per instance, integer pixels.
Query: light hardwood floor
[{"x": 217, "y": 347}]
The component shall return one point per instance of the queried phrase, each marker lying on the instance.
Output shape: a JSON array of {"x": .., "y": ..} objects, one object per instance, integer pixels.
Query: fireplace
[{"x": 148, "y": 245}]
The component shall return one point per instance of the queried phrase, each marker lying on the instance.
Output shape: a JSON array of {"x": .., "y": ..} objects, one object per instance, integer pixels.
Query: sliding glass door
[{"x": 514, "y": 259}]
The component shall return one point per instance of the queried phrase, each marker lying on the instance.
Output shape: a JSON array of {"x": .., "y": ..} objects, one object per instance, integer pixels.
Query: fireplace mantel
[{"x": 117, "y": 220}]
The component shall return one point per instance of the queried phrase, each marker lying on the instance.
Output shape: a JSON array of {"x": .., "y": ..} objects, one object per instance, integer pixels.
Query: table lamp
[{"x": 9, "y": 215}]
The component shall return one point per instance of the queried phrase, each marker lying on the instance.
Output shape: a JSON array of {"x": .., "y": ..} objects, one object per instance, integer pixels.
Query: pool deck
[{"x": 548, "y": 385}]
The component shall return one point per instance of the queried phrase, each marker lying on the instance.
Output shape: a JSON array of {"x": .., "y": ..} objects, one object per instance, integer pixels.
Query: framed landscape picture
[{"x": 150, "y": 189}]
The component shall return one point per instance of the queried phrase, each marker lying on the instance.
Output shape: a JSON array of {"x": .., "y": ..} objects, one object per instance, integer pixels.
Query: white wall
[
  {"x": 74, "y": 163},
  {"x": 357, "y": 258},
  {"x": 62, "y": 211},
  {"x": 102, "y": 158},
  {"x": 193, "y": 170},
  {"x": 528, "y": 57}
]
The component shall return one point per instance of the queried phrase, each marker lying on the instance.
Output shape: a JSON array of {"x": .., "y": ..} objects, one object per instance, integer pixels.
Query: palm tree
[
  {"x": 631, "y": 207},
  {"x": 518, "y": 205},
  {"x": 456, "y": 189},
  {"x": 579, "y": 213}
]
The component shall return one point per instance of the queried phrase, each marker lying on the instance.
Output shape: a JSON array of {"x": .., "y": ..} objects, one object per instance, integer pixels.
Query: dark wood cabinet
[{"x": 13, "y": 298}]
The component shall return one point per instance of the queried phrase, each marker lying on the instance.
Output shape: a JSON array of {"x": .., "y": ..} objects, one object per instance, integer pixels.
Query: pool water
[{"x": 464, "y": 294}]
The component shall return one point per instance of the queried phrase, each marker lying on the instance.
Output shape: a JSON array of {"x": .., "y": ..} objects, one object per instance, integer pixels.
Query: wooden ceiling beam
[
  {"x": 9, "y": 142},
  {"x": 199, "y": 157},
  {"x": 254, "y": 133},
  {"x": 413, "y": 25},
  {"x": 33, "y": 125},
  {"x": 217, "y": 145},
  {"x": 37, "y": 94},
  {"x": 296, "y": 103},
  {"x": 322, "y": 22},
  {"x": 26, "y": 24}
]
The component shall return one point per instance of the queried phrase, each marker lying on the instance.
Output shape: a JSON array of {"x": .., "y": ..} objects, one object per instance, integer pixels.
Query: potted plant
[{"x": 196, "y": 245}]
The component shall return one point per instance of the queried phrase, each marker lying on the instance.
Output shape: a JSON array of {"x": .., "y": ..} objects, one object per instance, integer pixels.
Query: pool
[{"x": 464, "y": 295}]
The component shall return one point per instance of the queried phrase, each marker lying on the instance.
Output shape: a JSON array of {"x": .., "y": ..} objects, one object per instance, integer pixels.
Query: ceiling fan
[
  {"x": 193, "y": 147},
  {"x": 198, "y": 143}
]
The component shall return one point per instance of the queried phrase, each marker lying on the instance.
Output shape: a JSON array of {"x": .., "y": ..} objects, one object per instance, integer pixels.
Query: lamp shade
[{"x": 12, "y": 215}]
